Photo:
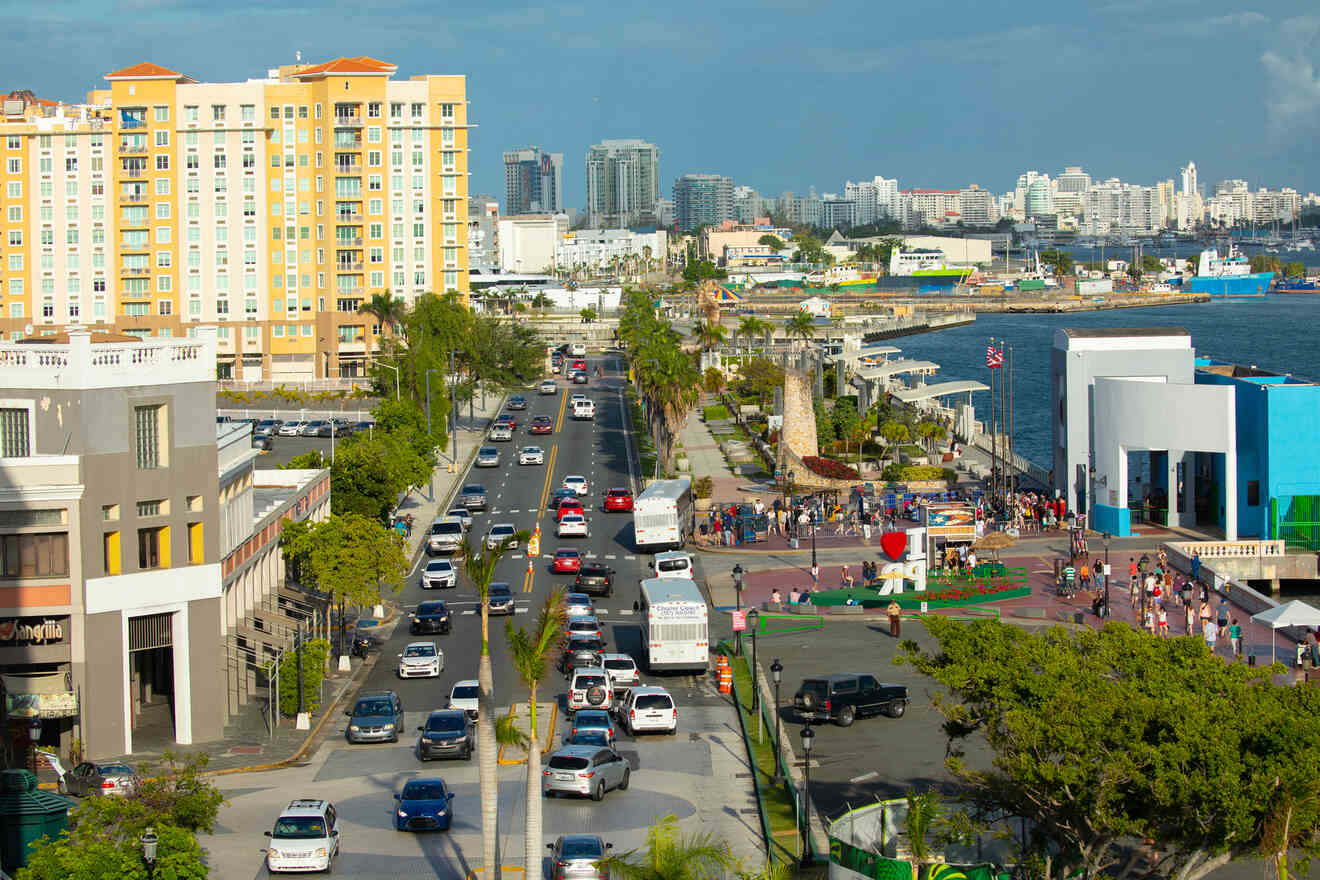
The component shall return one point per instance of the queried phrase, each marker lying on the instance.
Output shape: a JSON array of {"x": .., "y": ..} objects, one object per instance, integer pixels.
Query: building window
[
  {"x": 196, "y": 543},
  {"x": 1253, "y": 493},
  {"x": 159, "y": 507},
  {"x": 15, "y": 436},
  {"x": 35, "y": 555},
  {"x": 149, "y": 421},
  {"x": 153, "y": 551},
  {"x": 111, "y": 555}
]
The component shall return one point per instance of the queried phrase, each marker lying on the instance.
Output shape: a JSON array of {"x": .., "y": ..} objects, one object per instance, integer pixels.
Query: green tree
[
  {"x": 825, "y": 436},
  {"x": 1295, "y": 269},
  {"x": 802, "y": 326},
  {"x": 847, "y": 423},
  {"x": 712, "y": 380},
  {"x": 700, "y": 270},
  {"x": 541, "y": 302},
  {"x": 710, "y": 336},
  {"x": 809, "y": 249},
  {"x": 752, "y": 327},
  {"x": 314, "y": 654},
  {"x": 1101, "y": 737},
  {"x": 669, "y": 855},
  {"x": 313, "y": 460},
  {"x": 588, "y": 315},
  {"x": 760, "y": 377},
  {"x": 387, "y": 311},
  {"x": 1266, "y": 263},
  {"x": 894, "y": 434},
  {"x": 930, "y": 433},
  {"x": 1193, "y": 263},
  {"x": 773, "y": 242},
  {"x": 370, "y": 474},
  {"x": 1060, "y": 261},
  {"x": 1151, "y": 263},
  {"x": 479, "y": 563},
  {"x": 528, "y": 651}
]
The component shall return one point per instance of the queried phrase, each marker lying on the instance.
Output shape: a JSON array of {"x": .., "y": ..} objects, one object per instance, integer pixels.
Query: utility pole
[{"x": 298, "y": 647}]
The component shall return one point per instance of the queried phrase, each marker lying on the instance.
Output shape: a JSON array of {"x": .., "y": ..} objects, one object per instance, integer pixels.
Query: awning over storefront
[{"x": 44, "y": 695}]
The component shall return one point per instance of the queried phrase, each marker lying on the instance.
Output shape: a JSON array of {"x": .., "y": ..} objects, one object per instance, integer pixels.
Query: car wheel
[
  {"x": 599, "y": 793},
  {"x": 846, "y": 716},
  {"x": 808, "y": 701},
  {"x": 623, "y": 786},
  {"x": 896, "y": 709}
]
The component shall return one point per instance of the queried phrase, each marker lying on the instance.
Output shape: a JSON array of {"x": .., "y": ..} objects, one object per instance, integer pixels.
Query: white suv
[
  {"x": 584, "y": 409},
  {"x": 590, "y": 689},
  {"x": 305, "y": 838},
  {"x": 648, "y": 708},
  {"x": 623, "y": 672}
]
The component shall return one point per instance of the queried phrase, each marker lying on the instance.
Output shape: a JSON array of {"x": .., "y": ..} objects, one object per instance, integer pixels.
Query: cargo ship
[
  {"x": 927, "y": 265},
  {"x": 1299, "y": 285},
  {"x": 1229, "y": 275}
]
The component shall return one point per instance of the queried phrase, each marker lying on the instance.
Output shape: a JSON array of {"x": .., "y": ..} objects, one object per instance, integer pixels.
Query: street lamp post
[
  {"x": 1106, "y": 538},
  {"x": 737, "y": 599},
  {"x": 397, "y": 394},
  {"x": 807, "y": 736},
  {"x": 430, "y": 476},
  {"x": 149, "y": 841},
  {"x": 777, "y": 673},
  {"x": 752, "y": 616},
  {"x": 815, "y": 570}
]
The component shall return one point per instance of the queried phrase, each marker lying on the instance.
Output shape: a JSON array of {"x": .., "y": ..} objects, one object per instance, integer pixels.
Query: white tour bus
[
  {"x": 674, "y": 634},
  {"x": 662, "y": 515}
]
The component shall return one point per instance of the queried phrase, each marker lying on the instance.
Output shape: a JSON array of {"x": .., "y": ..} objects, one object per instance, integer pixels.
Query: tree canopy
[
  {"x": 349, "y": 555},
  {"x": 667, "y": 379},
  {"x": 1058, "y": 260},
  {"x": 1104, "y": 738}
]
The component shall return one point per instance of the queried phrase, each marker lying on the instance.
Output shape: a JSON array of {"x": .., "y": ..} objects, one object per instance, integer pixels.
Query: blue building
[{"x": 1278, "y": 472}]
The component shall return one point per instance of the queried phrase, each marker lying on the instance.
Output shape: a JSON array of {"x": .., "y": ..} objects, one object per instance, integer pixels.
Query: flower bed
[
  {"x": 830, "y": 468},
  {"x": 947, "y": 598}
]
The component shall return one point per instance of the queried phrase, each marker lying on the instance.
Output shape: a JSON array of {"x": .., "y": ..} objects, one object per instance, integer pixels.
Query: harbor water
[{"x": 1275, "y": 332}]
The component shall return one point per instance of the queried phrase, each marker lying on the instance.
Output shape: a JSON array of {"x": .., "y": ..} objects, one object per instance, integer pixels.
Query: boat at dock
[
  {"x": 1299, "y": 285},
  {"x": 927, "y": 265},
  {"x": 1229, "y": 275}
]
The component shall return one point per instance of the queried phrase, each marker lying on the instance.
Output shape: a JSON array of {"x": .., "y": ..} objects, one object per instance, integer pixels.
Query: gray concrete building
[
  {"x": 702, "y": 200},
  {"x": 533, "y": 182},
  {"x": 623, "y": 183}
]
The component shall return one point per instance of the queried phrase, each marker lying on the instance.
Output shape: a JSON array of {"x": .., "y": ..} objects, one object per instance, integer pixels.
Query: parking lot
[{"x": 877, "y": 757}]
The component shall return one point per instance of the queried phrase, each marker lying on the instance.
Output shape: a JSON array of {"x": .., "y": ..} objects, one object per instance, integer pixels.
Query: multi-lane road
[{"x": 699, "y": 775}]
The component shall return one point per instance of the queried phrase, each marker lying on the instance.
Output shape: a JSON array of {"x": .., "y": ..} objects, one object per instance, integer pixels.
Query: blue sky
[{"x": 782, "y": 94}]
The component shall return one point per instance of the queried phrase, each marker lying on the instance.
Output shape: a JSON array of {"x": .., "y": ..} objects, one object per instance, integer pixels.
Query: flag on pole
[{"x": 994, "y": 358}]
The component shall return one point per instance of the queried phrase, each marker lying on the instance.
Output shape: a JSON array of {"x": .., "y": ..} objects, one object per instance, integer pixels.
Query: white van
[
  {"x": 305, "y": 837},
  {"x": 673, "y": 564},
  {"x": 584, "y": 409},
  {"x": 578, "y": 349}
]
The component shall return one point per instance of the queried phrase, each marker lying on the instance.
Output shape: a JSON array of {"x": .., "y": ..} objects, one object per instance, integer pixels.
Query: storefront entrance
[{"x": 151, "y": 680}]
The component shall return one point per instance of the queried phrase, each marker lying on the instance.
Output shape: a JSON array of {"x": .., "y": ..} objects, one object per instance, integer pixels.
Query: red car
[
  {"x": 566, "y": 562},
  {"x": 578, "y": 365},
  {"x": 619, "y": 499},
  {"x": 542, "y": 425},
  {"x": 569, "y": 505},
  {"x": 511, "y": 420}
]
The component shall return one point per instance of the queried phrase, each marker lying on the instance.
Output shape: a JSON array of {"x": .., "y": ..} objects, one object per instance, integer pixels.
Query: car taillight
[
  {"x": 827, "y": 705},
  {"x": 545, "y": 772},
  {"x": 632, "y": 713},
  {"x": 561, "y": 864},
  {"x": 107, "y": 784},
  {"x": 588, "y": 774}
]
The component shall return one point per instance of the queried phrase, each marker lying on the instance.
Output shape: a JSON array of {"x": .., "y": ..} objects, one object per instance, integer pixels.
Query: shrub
[
  {"x": 829, "y": 467},
  {"x": 703, "y": 487},
  {"x": 950, "y": 476},
  {"x": 914, "y": 473}
]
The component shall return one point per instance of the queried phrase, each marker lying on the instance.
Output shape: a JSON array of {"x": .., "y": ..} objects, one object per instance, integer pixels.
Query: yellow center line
[{"x": 563, "y": 405}]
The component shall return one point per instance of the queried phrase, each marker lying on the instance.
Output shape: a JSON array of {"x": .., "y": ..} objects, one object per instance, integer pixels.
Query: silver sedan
[
  {"x": 531, "y": 455},
  {"x": 88, "y": 779}
]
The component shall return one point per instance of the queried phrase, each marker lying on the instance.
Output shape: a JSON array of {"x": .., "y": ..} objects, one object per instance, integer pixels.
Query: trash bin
[{"x": 27, "y": 814}]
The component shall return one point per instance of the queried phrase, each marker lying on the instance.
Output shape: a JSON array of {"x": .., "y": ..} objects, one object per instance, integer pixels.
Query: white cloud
[{"x": 1292, "y": 83}]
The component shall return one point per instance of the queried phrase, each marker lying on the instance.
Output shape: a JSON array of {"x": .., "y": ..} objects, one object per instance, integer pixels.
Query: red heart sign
[{"x": 894, "y": 544}]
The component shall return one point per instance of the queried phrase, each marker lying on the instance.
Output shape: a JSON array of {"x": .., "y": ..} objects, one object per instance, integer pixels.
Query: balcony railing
[
  {"x": 134, "y": 271},
  {"x": 348, "y": 242},
  {"x": 348, "y": 291},
  {"x": 349, "y": 267},
  {"x": 352, "y": 146},
  {"x": 348, "y": 121},
  {"x": 355, "y": 168},
  {"x": 133, "y": 197},
  {"x": 132, "y": 148},
  {"x": 355, "y": 217}
]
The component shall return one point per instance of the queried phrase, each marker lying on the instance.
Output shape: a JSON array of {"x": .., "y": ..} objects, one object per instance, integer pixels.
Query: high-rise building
[
  {"x": 702, "y": 199},
  {"x": 483, "y": 234},
  {"x": 623, "y": 183},
  {"x": 1070, "y": 190},
  {"x": 272, "y": 208},
  {"x": 876, "y": 199},
  {"x": 1189, "y": 180},
  {"x": 977, "y": 206},
  {"x": 533, "y": 182}
]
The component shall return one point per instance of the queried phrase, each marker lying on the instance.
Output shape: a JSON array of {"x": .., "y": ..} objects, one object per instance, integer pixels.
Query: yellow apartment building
[{"x": 271, "y": 208}]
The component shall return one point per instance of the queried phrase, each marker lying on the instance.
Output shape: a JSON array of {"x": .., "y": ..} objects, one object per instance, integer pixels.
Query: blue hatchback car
[
  {"x": 423, "y": 805},
  {"x": 593, "y": 721}
]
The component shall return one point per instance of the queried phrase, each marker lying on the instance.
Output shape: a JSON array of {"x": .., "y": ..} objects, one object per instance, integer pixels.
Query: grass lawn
[{"x": 717, "y": 412}]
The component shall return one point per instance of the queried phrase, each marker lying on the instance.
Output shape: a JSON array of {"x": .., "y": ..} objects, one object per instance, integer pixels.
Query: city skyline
[{"x": 1135, "y": 87}]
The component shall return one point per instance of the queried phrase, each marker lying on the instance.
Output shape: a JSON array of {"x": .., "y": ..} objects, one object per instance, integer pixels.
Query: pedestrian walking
[
  {"x": 895, "y": 613},
  {"x": 1222, "y": 620},
  {"x": 1196, "y": 565},
  {"x": 1303, "y": 656},
  {"x": 1163, "y": 621},
  {"x": 408, "y": 523},
  {"x": 1235, "y": 638},
  {"x": 1191, "y": 619},
  {"x": 1133, "y": 571},
  {"x": 1148, "y": 620},
  {"x": 1211, "y": 636},
  {"x": 1205, "y": 615}
]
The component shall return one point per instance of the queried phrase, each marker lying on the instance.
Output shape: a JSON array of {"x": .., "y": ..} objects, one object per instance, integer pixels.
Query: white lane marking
[
  {"x": 515, "y": 556},
  {"x": 625, "y": 611},
  {"x": 515, "y": 510},
  {"x": 519, "y": 610},
  {"x": 865, "y": 776},
  {"x": 589, "y": 556},
  {"x": 610, "y": 556},
  {"x": 469, "y": 611},
  {"x": 630, "y": 557}
]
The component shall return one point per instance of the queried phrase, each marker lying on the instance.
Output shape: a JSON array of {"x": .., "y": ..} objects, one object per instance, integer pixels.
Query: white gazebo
[{"x": 1294, "y": 613}]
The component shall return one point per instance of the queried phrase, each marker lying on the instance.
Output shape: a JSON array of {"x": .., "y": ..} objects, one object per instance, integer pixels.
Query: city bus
[{"x": 673, "y": 620}]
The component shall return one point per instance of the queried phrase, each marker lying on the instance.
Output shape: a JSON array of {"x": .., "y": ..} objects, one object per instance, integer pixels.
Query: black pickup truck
[{"x": 844, "y": 697}]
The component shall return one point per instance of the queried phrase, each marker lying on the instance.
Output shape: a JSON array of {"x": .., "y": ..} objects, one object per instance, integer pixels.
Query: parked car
[
  {"x": 473, "y": 496},
  {"x": 291, "y": 428},
  {"x": 573, "y": 526},
  {"x": 577, "y": 483},
  {"x": 531, "y": 455},
  {"x": 579, "y": 605},
  {"x": 266, "y": 426},
  {"x": 585, "y": 771},
  {"x": 502, "y": 535},
  {"x": 465, "y": 695},
  {"x": 306, "y": 837},
  {"x": 376, "y": 716},
  {"x": 430, "y": 617},
  {"x": 548, "y": 386},
  {"x": 439, "y": 574},
  {"x": 499, "y": 598},
  {"x": 648, "y": 709},
  {"x": 589, "y": 688},
  {"x": 90, "y": 779},
  {"x": 446, "y": 733},
  {"x": 423, "y": 805},
  {"x": 843, "y": 697},
  {"x": 421, "y": 660},
  {"x": 595, "y": 578},
  {"x": 566, "y": 561},
  {"x": 541, "y": 425},
  {"x": 594, "y": 721},
  {"x": 264, "y": 442},
  {"x": 575, "y": 857},
  {"x": 619, "y": 500},
  {"x": 488, "y": 456},
  {"x": 366, "y": 425},
  {"x": 517, "y": 401},
  {"x": 313, "y": 428}
]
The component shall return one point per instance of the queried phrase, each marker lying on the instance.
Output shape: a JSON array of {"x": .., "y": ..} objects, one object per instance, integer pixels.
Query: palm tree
[
  {"x": 710, "y": 335},
  {"x": 924, "y": 812},
  {"x": 801, "y": 325},
  {"x": 387, "y": 310},
  {"x": 529, "y": 651},
  {"x": 751, "y": 327},
  {"x": 479, "y": 563},
  {"x": 669, "y": 855},
  {"x": 540, "y": 302}
]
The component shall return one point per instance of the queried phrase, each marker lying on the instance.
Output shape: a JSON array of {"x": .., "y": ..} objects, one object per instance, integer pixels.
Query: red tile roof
[
  {"x": 146, "y": 70},
  {"x": 360, "y": 64}
]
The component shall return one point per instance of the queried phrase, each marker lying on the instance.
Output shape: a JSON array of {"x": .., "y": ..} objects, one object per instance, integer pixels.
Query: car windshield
[
  {"x": 447, "y": 528},
  {"x": 419, "y": 651},
  {"x": 594, "y": 571},
  {"x": 582, "y": 849},
  {"x": 566, "y": 554},
  {"x": 431, "y": 608},
  {"x": 673, "y": 565},
  {"x": 465, "y": 692},
  {"x": 424, "y": 791},
  {"x": 373, "y": 707},
  {"x": 439, "y": 565},
  {"x": 591, "y": 718},
  {"x": 587, "y": 626},
  {"x": 654, "y": 701},
  {"x": 501, "y": 530},
  {"x": 116, "y": 770},
  {"x": 568, "y": 762},
  {"x": 299, "y": 828},
  {"x": 448, "y": 723},
  {"x": 500, "y": 592}
]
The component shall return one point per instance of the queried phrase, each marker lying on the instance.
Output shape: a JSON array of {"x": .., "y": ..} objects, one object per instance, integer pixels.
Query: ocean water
[{"x": 1275, "y": 332}]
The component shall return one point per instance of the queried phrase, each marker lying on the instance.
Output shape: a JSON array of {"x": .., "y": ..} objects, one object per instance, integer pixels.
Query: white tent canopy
[{"x": 1294, "y": 613}]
